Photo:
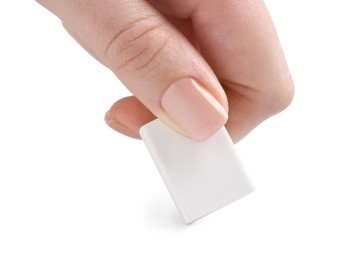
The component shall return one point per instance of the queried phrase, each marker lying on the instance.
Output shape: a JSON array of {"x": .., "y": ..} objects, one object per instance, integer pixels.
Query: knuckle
[
  {"x": 137, "y": 47},
  {"x": 282, "y": 96},
  {"x": 288, "y": 94}
]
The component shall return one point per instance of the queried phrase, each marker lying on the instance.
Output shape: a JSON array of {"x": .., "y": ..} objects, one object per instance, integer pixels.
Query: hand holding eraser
[{"x": 200, "y": 176}]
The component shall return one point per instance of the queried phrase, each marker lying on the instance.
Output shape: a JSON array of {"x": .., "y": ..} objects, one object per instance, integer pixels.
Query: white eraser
[{"x": 200, "y": 176}]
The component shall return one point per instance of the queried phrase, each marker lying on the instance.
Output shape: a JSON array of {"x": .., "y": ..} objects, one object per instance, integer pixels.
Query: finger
[
  {"x": 127, "y": 116},
  {"x": 239, "y": 41},
  {"x": 153, "y": 60},
  {"x": 241, "y": 45}
]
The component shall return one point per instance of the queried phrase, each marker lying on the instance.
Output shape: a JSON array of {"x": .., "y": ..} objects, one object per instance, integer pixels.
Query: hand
[{"x": 190, "y": 63}]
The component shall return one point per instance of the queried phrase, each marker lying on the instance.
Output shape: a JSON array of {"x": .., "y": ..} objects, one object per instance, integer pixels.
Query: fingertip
[
  {"x": 116, "y": 125},
  {"x": 127, "y": 116}
]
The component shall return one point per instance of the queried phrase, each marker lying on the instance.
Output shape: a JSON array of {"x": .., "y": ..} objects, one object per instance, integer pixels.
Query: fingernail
[
  {"x": 194, "y": 109},
  {"x": 116, "y": 125}
]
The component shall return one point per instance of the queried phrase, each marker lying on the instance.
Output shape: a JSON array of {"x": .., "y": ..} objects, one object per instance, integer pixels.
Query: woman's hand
[{"x": 195, "y": 64}]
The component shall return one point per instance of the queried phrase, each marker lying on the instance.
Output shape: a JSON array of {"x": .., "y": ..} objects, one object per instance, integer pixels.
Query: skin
[{"x": 229, "y": 46}]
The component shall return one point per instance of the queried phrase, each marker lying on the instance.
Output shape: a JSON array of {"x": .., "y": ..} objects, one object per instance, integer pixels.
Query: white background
[{"x": 71, "y": 188}]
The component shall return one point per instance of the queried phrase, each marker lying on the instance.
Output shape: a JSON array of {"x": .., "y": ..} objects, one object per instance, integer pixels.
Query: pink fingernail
[{"x": 194, "y": 109}]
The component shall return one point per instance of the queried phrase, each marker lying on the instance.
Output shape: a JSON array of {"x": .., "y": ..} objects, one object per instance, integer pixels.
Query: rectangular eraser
[{"x": 200, "y": 176}]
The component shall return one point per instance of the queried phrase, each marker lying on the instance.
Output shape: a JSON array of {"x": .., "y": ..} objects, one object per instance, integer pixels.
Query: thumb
[{"x": 151, "y": 58}]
